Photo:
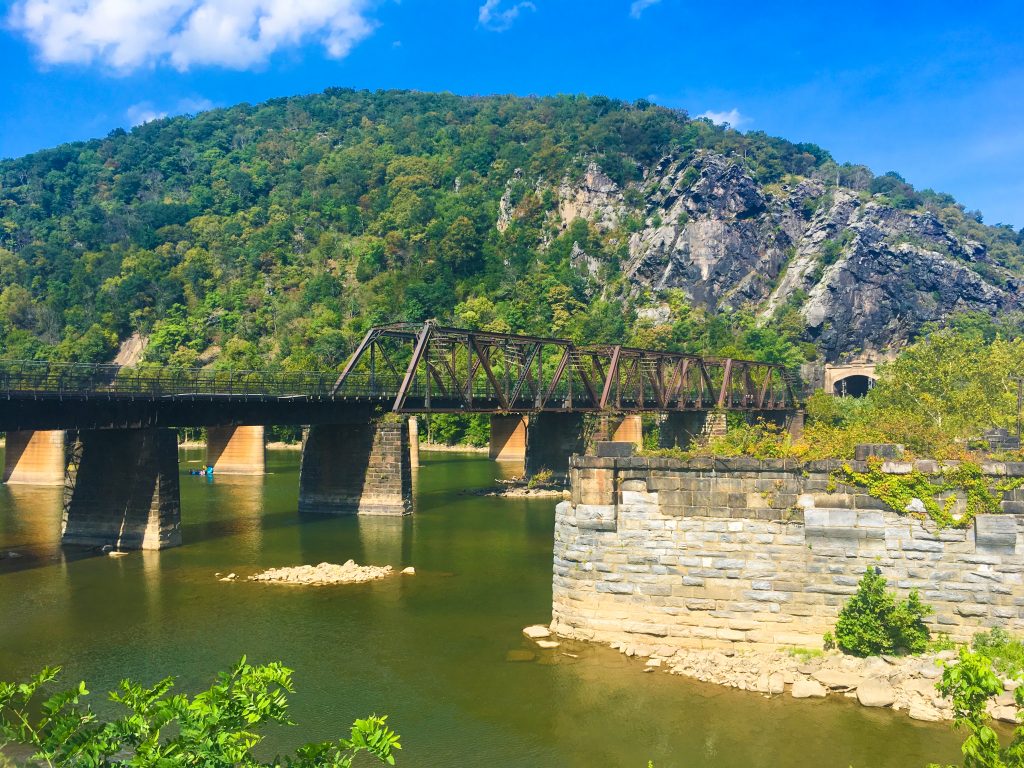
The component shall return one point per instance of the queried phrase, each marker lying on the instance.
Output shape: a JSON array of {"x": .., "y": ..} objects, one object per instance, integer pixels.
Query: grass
[{"x": 1005, "y": 651}]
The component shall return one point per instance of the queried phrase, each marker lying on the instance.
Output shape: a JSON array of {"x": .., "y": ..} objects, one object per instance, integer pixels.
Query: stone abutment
[{"x": 711, "y": 552}]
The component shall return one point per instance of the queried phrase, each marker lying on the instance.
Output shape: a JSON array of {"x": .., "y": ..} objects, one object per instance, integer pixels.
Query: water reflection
[{"x": 431, "y": 649}]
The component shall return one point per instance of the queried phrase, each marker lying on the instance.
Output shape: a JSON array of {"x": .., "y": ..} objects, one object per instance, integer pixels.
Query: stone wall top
[{"x": 796, "y": 466}]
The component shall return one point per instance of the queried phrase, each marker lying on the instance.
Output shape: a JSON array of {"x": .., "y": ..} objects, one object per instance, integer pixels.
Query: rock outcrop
[{"x": 864, "y": 275}]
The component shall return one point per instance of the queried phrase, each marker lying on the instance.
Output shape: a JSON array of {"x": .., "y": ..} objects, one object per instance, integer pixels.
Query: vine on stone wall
[{"x": 933, "y": 496}]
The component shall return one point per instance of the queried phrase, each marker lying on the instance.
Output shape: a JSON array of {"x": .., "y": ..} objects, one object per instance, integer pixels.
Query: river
[{"x": 430, "y": 650}]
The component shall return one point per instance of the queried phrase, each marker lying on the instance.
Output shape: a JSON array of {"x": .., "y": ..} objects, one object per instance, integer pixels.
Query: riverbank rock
[
  {"x": 837, "y": 679},
  {"x": 904, "y": 683},
  {"x": 410, "y": 571},
  {"x": 324, "y": 573},
  {"x": 537, "y": 632},
  {"x": 808, "y": 689},
  {"x": 876, "y": 692}
]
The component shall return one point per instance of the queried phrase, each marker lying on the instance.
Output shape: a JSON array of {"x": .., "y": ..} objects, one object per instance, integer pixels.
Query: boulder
[
  {"x": 807, "y": 689},
  {"x": 926, "y": 712},
  {"x": 547, "y": 644},
  {"x": 536, "y": 632},
  {"x": 837, "y": 679},
  {"x": 876, "y": 692},
  {"x": 1004, "y": 714},
  {"x": 410, "y": 571},
  {"x": 776, "y": 684}
]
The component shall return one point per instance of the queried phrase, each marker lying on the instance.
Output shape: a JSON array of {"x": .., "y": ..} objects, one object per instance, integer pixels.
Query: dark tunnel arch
[{"x": 856, "y": 385}]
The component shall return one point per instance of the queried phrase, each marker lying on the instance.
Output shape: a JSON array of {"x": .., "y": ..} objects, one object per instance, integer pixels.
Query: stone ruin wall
[{"x": 711, "y": 552}]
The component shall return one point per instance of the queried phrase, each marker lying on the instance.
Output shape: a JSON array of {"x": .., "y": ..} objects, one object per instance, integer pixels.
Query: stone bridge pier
[
  {"x": 546, "y": 440},
  {"x": 359, "y": 468},
  {"x": 236, "y": 450},
  {"x": 121, "y": 489},
  {"x": 551, "y": 438},
  {"x": 681, "y": 429},
  {"x": 34, "y": 458}
]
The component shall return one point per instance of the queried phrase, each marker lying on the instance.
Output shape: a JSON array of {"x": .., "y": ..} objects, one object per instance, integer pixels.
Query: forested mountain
[{"x": 275, "y": 234}]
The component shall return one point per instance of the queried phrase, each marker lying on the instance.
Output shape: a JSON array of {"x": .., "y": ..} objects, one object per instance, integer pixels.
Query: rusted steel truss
[{"x": 430, "y": 367}]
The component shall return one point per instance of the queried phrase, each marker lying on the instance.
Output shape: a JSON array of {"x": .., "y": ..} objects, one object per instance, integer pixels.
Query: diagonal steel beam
[
  {"x": 351, "y": 364},
  {"x": 611, "y": 376},
  {"x": 410, "y": 372},
  {"x": 486, "y": 364}
]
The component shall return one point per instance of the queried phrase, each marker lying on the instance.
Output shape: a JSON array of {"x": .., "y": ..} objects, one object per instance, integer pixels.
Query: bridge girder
[{"x": 470, "y": 370}]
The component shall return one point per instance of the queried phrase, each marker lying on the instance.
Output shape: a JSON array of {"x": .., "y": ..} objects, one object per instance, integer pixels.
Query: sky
[{"x": 932, "y": 90}]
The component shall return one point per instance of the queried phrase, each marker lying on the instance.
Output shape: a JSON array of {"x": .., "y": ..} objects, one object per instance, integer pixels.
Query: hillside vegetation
[{"x": 275, "y": 234}]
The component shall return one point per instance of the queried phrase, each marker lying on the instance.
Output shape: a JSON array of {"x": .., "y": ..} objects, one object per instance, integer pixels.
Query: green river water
[{"x": 429, "y": 650}]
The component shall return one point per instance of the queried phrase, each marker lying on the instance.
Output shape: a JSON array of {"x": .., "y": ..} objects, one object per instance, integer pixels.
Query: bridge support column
[
  {"x": 551, "y": 438},
  {"x": 682, "y": 429},
  {"x": 236, "y": 450},
  {"x": 34, "y": 458},
  {"x": 414, "y": 441},
  {"x": 508, "y": 437},
  {"x": 629, "y": 430},
  {"x": 121, "y": 489},
  {"x": 361, "y": 468}
]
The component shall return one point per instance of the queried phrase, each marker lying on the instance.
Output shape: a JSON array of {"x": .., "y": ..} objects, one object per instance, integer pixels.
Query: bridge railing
[{"x": 58, "y": 379}]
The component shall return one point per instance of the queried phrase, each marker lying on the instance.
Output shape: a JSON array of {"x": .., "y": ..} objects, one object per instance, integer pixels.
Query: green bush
[
  {"x": 874, "y": 622},
  {"x": 971, "y": 683},
  {"x": 1005, "y": 651},
  {"x": 217, "y": 728}
]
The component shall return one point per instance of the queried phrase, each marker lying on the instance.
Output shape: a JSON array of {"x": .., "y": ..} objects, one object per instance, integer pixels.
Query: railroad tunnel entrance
[{"x": 857, "y": 385}]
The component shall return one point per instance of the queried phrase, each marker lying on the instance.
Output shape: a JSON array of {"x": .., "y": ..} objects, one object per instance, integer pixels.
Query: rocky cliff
[{"x": 864, "y": 275}]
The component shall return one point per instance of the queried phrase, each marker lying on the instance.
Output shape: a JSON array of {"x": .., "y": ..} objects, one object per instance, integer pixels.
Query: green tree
[
  {"x": 874, "y": 622},
  {"x": 217, "y": 728}
]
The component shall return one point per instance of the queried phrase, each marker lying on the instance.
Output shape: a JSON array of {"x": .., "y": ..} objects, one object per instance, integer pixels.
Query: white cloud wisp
[
  {"x": 732, "y": 118},
  {"x": 125, "y": 35},
  {"x": 493, "y": 18},
  {"x": 637, "y": 8}
]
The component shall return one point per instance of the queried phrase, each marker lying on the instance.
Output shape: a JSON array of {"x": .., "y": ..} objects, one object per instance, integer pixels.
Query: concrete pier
[
  {"x": 122, "y": 489},
  {"x": 414, "y": 441},
  {"x": 628, "y": 429},
  {"x": 361, "y": 468},
  {"x": 508, "y": 437},
  {"x": 34, "y": 458},
  {"x": 551, "y": 438},
  {"x": 236, "y": 450}
]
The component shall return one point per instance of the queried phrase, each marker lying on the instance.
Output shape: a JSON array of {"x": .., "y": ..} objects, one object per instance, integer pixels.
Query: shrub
[
  {"x": 874, "y": 622},
  {"x": 217, "y": 728},
  {"x": 541, "y": 478},
  {"x": 1005, "y": 651},
  {"x": 970, "y": 683}
]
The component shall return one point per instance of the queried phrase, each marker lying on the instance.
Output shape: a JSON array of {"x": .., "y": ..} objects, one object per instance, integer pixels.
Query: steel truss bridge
[{"x": 402, "y": 367}]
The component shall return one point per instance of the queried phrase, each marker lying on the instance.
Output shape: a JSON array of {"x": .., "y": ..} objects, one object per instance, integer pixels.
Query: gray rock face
[{"x": 863, "y": 275}]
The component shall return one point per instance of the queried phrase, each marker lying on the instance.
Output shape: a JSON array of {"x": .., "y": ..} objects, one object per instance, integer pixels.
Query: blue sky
[{"x": 933, "y": 90}]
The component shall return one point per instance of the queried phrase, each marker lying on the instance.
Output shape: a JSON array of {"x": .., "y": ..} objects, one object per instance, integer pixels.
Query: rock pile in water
[{"x": 324, "y": 573}]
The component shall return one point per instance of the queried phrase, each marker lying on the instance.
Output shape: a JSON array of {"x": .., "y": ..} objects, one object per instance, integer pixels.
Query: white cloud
[
  {"x": 145, "y": 112},
  {"x": 239, "y": 34},
  {"x": 496, "y": 20},
  {"x": 732, "y": 117},
  {"x": 637, "y": 8}
]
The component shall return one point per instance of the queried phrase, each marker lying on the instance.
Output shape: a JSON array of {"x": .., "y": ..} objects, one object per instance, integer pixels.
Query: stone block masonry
[
  {"x": 359, "y": 468},
  {"x": 710, "y": 552},
  {"x": 121, "y": 489}
]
